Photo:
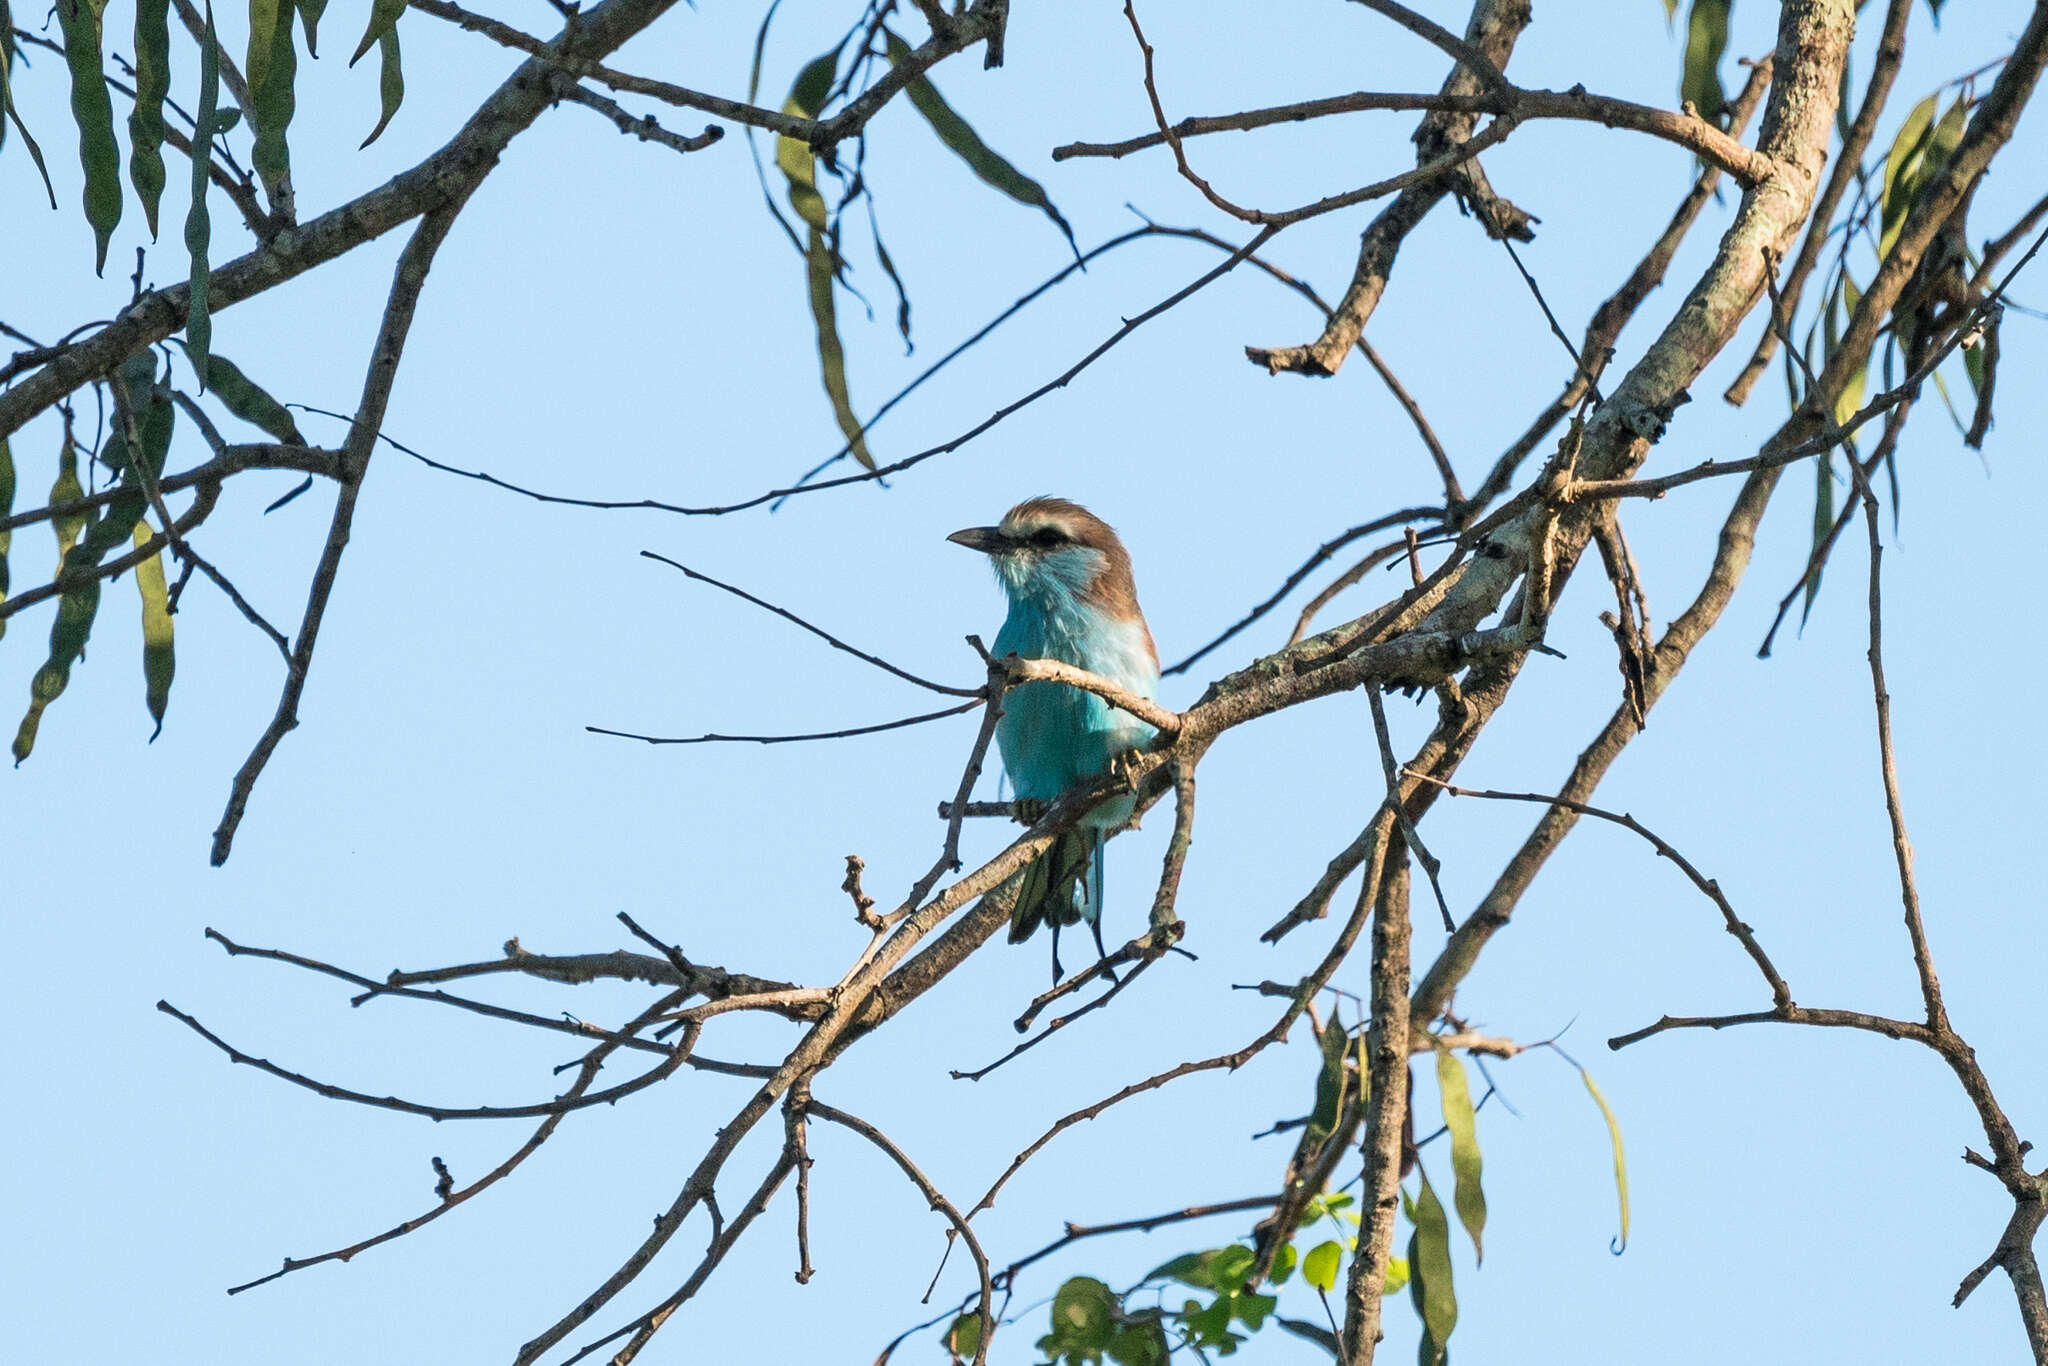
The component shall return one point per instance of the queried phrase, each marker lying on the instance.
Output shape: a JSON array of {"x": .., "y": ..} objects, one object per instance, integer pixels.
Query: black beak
[{"x": 987, "y": 539}]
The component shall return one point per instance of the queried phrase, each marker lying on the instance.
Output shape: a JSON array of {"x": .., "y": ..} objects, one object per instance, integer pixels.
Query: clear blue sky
[{"x": 610, "y": 321}]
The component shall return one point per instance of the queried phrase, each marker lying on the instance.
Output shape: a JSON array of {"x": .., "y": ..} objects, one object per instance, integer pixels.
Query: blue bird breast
[{"x": 1051, "y": 735}]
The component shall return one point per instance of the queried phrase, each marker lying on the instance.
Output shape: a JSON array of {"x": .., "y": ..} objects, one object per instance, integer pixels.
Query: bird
[{"x": 1071, "y": 598}]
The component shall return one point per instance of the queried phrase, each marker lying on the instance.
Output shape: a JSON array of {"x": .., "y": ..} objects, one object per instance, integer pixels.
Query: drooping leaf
[
  {"x": 1397, "y": 1276},
  {"x": 383, "y": 18},
  {"x": 1319, "y": 1265},
  {"x": 1283, "y": 1264},
  {"x": 1330, "y": 1088},
  {"x": 198, "y": 226},
  {"x": 1620, "y": 1160},
  {"x": 1823, "y": 527},
  {"x": 309, "y": 16},
  {"x": 799, "y": 167},
  {"x": 1901, "y": 171},
  {"x": 1706, "y": 41},
  {"x": 8, "y": 113},
  {"x": 146, "y": 120},
  {"x": 256, "y": 57},
  {"x": 960, "y": 139},
  {"x": 114, "y": 524},
  {"x": 1466, "y": 1193},
  {"x": 963, "y": 1339},
  {"x": 67, "y": 489},
  {"x": 6, "y": 505},
  {"x": 390, "y": 84},
  {"x": 1429, "y": 1273},
  {"x": 1084, "y": 1314},
  {"x": 1313, "y": 1332},
  {"x": 159, "y": 656},
  {"x": 98, "y": 154},
  {"x": 249, "y": 401},
  {"x": 273, "y": 100},
  {"x": 1851, "y": 397}
]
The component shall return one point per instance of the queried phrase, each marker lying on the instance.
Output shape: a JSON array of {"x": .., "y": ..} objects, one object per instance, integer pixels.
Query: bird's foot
[
  {"x": 1028, "y": 810},
  {"x": 1122, "y": 764}
]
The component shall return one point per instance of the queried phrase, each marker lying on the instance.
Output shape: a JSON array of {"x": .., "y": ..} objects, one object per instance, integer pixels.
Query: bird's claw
[{"x": 1028, "y": 810}]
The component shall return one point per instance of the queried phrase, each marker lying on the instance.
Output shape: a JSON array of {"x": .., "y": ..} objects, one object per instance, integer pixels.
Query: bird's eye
[{"x": 1045, "y": 538}]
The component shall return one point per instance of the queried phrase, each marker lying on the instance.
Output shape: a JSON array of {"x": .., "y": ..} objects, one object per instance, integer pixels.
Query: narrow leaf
[
  {"x": 159, "y": 657},
  {"x": 1319, "y": 1265},
  {"x": 1429, "y": 1273},
  {"x": 383, "y": 18},
  {"x": 7, "y": 111},
  {"x": 390, "y": 84},
  {"x": 1467, "y": 1193},
  {"x": 1313, "y": 1332},
  {"x": 67, "y": 489},
  {"x": 256, "y": 59},
  {"x": 198, "y": 227},
  {"x": 98, "y": 153},
  {"x": 6, "y": 505},
  {"x": 146, "y": 120},
  {"x": 1620, "y": 1161},
  {"x": 309, "y": 15},
  {"x": 831, "y": 353},
  {"x": 1322, "y": 1121},
  {"x": 1901, "y": 167},
  {"x": 249, "y": 401},
  {"x": 273, "y": 102},
  {"x": 961, "y": 139},
  {"x": 800, "y": 168},
  {"x": 1706, "y": 41},
  {"x": 1823, "y": 525}
]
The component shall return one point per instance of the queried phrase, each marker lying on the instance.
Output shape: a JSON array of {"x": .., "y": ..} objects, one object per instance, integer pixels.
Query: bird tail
[{"x": 1063, "y": 886}]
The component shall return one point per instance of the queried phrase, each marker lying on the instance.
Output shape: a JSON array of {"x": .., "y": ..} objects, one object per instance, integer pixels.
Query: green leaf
[
  {"x": 1190, "y": 1268},
  {"x": 1902, "y": 170},
  {"x": 821, "y": 266},
  {"x": 146, "y": 120},
  {"x": 1283, "y": 1264},
  {"x": 114, "y": 525},
  {"x": 6, "y": 505},
  {"x": 1706, "y": 41},
  {"x": 309, "y": 15},
  {"x": 1620, "y": 1161},
  {"x": 1397, "y": 1276},
  {"x": 1330, "y": 1087},
  {"x": 1313, "y": 1332},
  {"x": 1823, "y": 526},
  {"x": 383, "y": 19},
  {"x": 98, "y": 153},
  {"x": 1429, "y": 1273},
  {"x": 273, "y": 101},
  {"x": 1251, "y": 1310},
  {"x": 1084, "y": 1321},
  {"x": 67, "y": 489},
  {"x": 1319, "y": 1265},
  {"x": 256, "y": 58},
  {"x": 198, "y": 227},
  {"x": 390, "y": 84},
  {"x": 159, "y": 656},
  {"x": 249, "y": 401},
  {"x": 1231, "y": 1265},
  {"x": 963, "y": 1339},
  {"x": 960, "y": 139},
  {"x": 1467, "y": 1193}
]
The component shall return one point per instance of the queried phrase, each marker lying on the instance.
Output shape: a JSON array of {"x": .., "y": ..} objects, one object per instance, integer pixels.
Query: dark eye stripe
[{"x": 1045, "y": 538}]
